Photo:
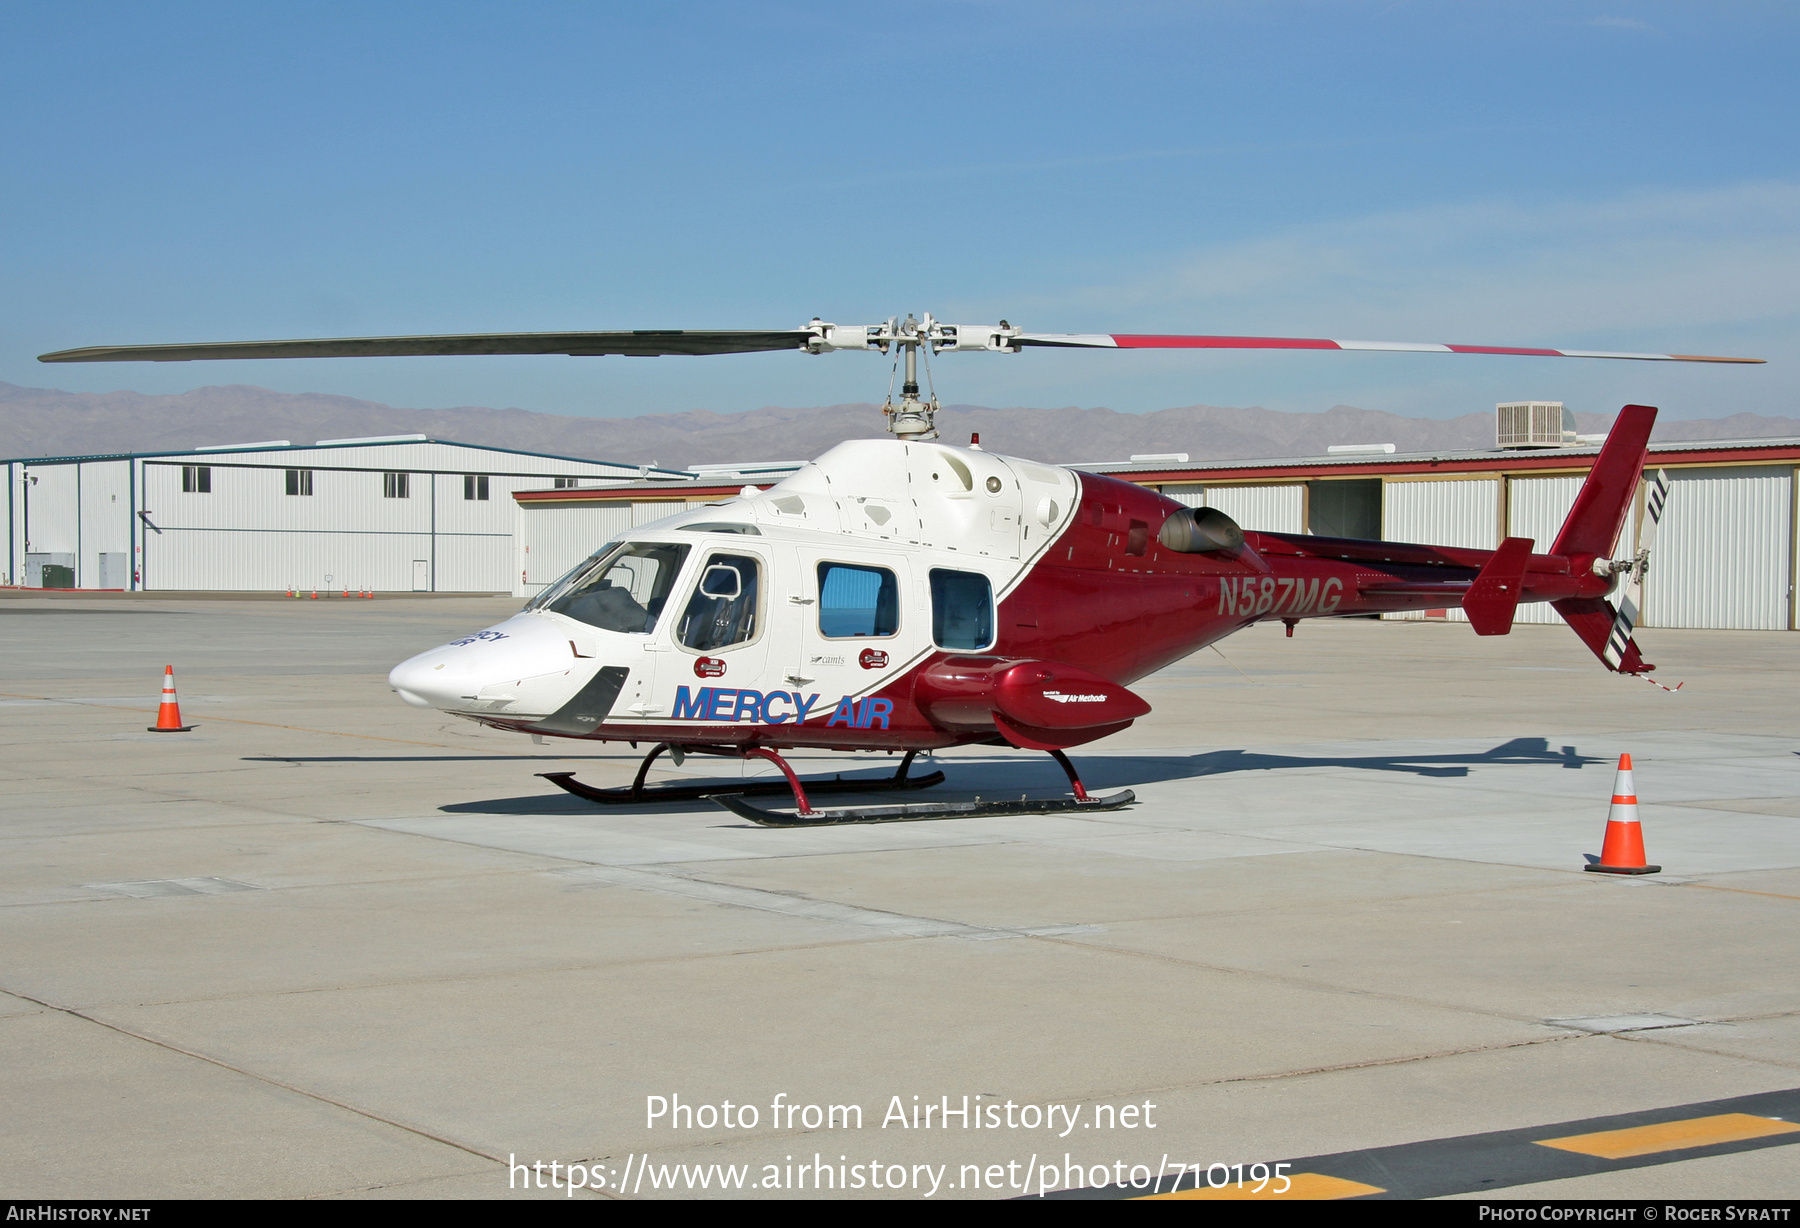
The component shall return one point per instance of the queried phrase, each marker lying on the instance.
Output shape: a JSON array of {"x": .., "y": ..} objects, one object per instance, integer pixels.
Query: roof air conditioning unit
[{"x": 1534, "y": 424}]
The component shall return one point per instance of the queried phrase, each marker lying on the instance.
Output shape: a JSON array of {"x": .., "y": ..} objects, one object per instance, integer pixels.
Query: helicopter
[{"x": 907, "y": 595}]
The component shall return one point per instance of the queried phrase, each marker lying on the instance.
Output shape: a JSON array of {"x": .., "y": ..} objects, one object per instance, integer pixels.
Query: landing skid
[
  {"x": 640, "y": 792},
  {"x": 735, "y": 797},
  {"x": 917, "y": 811}
]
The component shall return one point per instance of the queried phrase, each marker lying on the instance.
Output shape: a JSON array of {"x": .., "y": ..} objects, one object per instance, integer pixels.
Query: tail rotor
[{"x": 1631, "y": 595}]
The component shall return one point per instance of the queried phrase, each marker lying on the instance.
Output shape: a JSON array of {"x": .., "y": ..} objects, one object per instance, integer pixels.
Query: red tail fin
[
  {"x": 1592, "y": 529},
  {"x": 1599, "y": 512}
]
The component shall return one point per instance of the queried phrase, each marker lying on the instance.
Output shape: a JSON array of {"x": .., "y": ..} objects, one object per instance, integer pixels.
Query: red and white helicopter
[{"x": 908, "y": 595}]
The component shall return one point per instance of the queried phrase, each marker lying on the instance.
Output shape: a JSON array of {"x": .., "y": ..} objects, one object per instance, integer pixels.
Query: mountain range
[{"x": 38, "y": 422}]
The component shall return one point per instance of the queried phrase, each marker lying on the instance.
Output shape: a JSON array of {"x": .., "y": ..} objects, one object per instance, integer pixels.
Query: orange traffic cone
[
  {"x": 168, "y": 717},
  {"x": 1623, "y": 852}
]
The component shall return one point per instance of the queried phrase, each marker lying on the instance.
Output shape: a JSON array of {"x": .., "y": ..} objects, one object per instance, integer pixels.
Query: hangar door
[
  {"x": 1442, "y": 512},
  {"x": 1724, "y": 550},
  {"x": 1536, "y": 508}
]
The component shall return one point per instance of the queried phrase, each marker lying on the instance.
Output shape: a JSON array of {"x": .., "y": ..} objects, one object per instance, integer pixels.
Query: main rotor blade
[
  {"x": 643, "y": 342},
  {"x": 1148, "y": 341}
]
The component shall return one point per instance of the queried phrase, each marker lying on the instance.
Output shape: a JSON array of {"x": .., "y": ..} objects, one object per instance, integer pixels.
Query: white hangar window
[{"x": 393, "y": 486}]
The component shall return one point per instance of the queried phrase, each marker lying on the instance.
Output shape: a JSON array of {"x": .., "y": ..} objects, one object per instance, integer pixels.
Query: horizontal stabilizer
[{"x": 1494, "y": 595}]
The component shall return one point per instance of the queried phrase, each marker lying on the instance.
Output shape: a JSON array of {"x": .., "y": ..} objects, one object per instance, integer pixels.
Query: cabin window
[
  {"x": 723, "y": 609},
  {"x": 196, "y": 479},
  {"x": 622, "y": 588},
  {"x": 299, "y": 481},
  {"x": 962, "y": 610},
  {"x": 475, "y": 486},
  {"x": 857, "y": 601}
]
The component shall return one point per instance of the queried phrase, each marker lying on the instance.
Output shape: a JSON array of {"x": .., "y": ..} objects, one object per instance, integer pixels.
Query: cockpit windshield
[{"x": 621, "y": 588}]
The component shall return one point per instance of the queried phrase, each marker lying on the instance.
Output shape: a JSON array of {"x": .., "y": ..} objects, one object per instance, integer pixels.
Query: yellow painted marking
[
  {"x": 1671, "y": 1136},
  {"x": 1304, "y": 1185}
]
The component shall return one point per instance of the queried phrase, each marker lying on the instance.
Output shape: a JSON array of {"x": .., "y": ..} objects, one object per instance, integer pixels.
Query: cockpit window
[
  {"x": 622, "y": 588},
  {"x": 723, "y": 609}
]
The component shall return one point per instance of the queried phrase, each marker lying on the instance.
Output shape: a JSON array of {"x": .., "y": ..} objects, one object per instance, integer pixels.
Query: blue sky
[{"x": 1589, "y": 175}]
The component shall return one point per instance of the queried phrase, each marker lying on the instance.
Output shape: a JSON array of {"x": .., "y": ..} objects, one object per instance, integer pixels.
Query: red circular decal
[
  {"x": 709, "y": 667},
  {"x": 872, "y": 658}
]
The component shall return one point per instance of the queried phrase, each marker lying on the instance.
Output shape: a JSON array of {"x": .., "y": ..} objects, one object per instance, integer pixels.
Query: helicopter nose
[
  {"x": 425, "y": 681},
  {"x": 451, "y": 676}
]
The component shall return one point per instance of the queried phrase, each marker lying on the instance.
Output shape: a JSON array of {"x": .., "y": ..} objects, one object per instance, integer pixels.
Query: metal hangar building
[
  {"x": 387, "y": 514},
  {"x": 1727, "y": 556}
]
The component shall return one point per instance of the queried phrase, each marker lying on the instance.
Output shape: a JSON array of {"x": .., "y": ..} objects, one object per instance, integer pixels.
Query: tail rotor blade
[
  {"x": 1624, "y": 622},
  {"x": 1655, "y": 498}
]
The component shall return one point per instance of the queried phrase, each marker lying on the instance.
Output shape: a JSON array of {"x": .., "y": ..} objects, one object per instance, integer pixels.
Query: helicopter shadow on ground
[
  {"x": 414, "y": 759},
  {"x": 1022, "y": 770},
  {"x": 1108, "y": 771}
]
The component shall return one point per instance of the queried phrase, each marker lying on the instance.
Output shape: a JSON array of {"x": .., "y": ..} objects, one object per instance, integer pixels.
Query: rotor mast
[{"x": 914, "y": 417}]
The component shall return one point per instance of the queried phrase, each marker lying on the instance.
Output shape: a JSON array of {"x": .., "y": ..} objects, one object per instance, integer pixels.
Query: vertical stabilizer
[
  {"x": 1592, "y": 529},
  {"x": 1593, "y": 523}
]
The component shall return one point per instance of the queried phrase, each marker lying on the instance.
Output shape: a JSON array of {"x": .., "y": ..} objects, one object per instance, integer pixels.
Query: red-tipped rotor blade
[{"x": 1161, "y": 341}]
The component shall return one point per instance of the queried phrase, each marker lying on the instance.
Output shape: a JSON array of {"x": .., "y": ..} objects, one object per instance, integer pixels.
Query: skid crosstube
[
  {"x": 641, "y": 792},
  {"x": 677, "y": 793},
  {"x": 912, "y": 812}
]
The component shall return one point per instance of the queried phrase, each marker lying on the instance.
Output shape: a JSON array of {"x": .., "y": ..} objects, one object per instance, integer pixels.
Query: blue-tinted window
[
  {"x": 962, "y": 609},
  {"x": 857, "y": 601}
]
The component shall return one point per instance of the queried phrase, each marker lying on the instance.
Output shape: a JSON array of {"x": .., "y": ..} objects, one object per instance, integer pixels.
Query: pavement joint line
[
  {"x": 1321, "y": 986},
  {"x": 229, "y": 720},
  {"x": 1657, "y": 1038},
  {"x": 497, "y": 872},
  {"x": 806, "y": 907},
  {"x": 1774, "y": 895},
  {"x": 367, "y": 1114},
  {"x": 464, "y": 977}
]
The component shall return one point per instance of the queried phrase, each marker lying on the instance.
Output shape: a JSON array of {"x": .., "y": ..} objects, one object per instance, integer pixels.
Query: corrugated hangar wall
[
  {"x": 1536, "y": 508},
  {"x": 1278, "y": 508},
  {"x": 1723, "y": 555},
  {"x": 1441, "y": 512},
  {"x": 1724, "y": 550},
  {"x": 248, "y": 534},
  {"x": 553, "y": 538},
  {"x": 402, "y": 515}
]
